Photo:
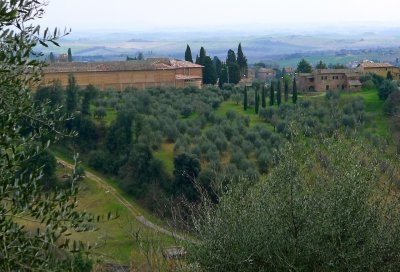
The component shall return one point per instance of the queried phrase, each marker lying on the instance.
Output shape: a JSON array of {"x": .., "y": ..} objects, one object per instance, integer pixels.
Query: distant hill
[{"x": 139, "y": 40}]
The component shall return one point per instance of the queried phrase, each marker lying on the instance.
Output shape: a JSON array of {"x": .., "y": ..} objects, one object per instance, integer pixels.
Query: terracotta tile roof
[
  {"x": 375, "y": 65},
  {"x": 335, "y": 71},
  {"x": 265, "y": 70},
  {"x": 133, "y": 65}
]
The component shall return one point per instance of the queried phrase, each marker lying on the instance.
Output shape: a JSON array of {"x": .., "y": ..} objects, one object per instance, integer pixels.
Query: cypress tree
[
  {"x": 271, "y": 94},
  {"x": 245, "y": 99},
  {"x": 69, "y": 55},
  {"x": 224, "y": 76},
  {"x": 241, "y": 61},
  {"x": 210, "y": 76},
  {"x": 52, "y": 58},
  {"x": 279, "y": 93},
  {"x": 202, "y": 56},
  {"x": 72, "y": 99},
  {"x": 257, "y": 101},
  {"x": 286, "y": 82},
  {"x": 231, "y": 57},
  {"x": 218, "y": 66},
  {"x": 233, "y": 67},
  {"x": 188, "y": 54},
  {"x": 389, "y": 76},
  {"x": 294, "y": 95},
  {"x": 86, "y": 103},
  {"x": 263, "y": 100}
]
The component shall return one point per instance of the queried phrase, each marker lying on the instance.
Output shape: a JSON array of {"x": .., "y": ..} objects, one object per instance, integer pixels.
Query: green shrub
[{"x": 329, "y": 205}]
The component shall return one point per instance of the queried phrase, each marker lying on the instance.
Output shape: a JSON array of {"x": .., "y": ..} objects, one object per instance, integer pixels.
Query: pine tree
[
  {"x": 272, "y": 94},
  {"x": 197, "y": 59},
  {"x": 286, "y": 82},
  {"x": 304, "y": 67},
  {"x": 140, "y": 56},
  {"x": 69, "y": 55},
  {"x": 257, "y": 101},
  {"x": 245, "y": 99},
  {"x": 263, "y": 100},
  {"x": 188, "y": 54},
  {"x": 294, "y": 95},
  {"x": 242, "y": 62},
  {"x": 321, "y": 65}
]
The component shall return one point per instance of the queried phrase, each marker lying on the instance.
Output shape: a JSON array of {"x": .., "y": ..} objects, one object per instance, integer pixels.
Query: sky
[{"x": 209, "y": 15}]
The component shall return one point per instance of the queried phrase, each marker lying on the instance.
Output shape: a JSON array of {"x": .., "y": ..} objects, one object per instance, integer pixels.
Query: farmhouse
[
  {"x": 141, "y": 74},
  {"x": 330, "y": 79},
  {"x": 265, "y": 74},
  {"x": 380, "y": 69}
]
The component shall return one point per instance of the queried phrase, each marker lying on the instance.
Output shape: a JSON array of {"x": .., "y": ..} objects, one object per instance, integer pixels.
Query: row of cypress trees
[
  {"x": 231, "y": 71},
  {"x": 272, "y": 92}
]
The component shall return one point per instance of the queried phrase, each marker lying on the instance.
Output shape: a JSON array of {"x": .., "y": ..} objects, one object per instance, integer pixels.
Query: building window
[
  {"x": 326, "y": 77},
  {"x": 342, "y": 87},
  {"x": 327, "y": 87},
  {"x": 322, "y": 78}
]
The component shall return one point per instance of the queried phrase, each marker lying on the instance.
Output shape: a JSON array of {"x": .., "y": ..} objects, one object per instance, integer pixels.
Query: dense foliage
[
  {"x": 304, "y": 67},
  {"x": 26, "y": 130},
  {"x": 329, "y": 205},
  {"x": 153, "y": 127}
]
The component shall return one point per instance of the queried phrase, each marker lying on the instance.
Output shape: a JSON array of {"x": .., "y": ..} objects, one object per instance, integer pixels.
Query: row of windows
[
  {"x": 333, "y": 77},
  {"x": 338, "y": 87}
]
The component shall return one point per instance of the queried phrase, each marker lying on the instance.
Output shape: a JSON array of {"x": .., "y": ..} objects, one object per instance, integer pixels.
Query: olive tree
[
  {"x": 328, "y": 205},
  {"x": 24, "y": 126}
]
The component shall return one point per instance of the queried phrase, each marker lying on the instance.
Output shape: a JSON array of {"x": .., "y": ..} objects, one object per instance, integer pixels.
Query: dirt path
[{"x": 110, "y": 190}]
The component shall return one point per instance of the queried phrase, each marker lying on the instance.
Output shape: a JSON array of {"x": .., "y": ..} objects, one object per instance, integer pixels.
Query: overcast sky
[{"x": 154, "y": 15}]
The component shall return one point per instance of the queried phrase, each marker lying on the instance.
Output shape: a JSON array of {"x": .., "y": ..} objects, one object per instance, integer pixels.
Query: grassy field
[
  {"x": 124, "y": 239},
  {"x": 166, "y": 155},
  {"x": 379, "y": 124}
]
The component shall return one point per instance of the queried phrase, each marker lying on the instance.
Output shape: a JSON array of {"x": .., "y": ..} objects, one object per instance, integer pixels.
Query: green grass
[
  {"x": 166, "y": 155},
  {"x": 114, "y": 241},
  {"x": 192, "y": 117},
  {"x": 373, "y": 105},
  {"x": 62, "y": 153},
  {"x": 111, "y": 115}
]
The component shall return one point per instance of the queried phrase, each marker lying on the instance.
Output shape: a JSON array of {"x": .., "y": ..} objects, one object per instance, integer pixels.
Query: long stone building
[
  {"x": 330, "y": 79},
  {"x": 380, "y": 69},
  {"x": 119, "y": 75}
]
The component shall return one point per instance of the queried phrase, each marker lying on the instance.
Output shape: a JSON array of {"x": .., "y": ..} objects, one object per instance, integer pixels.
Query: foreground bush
[{"x": 329, "y": 205}]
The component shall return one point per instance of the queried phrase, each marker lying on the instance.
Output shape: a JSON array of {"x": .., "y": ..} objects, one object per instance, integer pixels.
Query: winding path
[{"x": 110, "y": 190}]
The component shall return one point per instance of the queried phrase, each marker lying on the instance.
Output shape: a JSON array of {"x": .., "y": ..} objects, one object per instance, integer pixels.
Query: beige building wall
[
  {"x": 326, "y": 82},
  {"x": 120, "y": 80},
  {"x": 382, "y": 71}
]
